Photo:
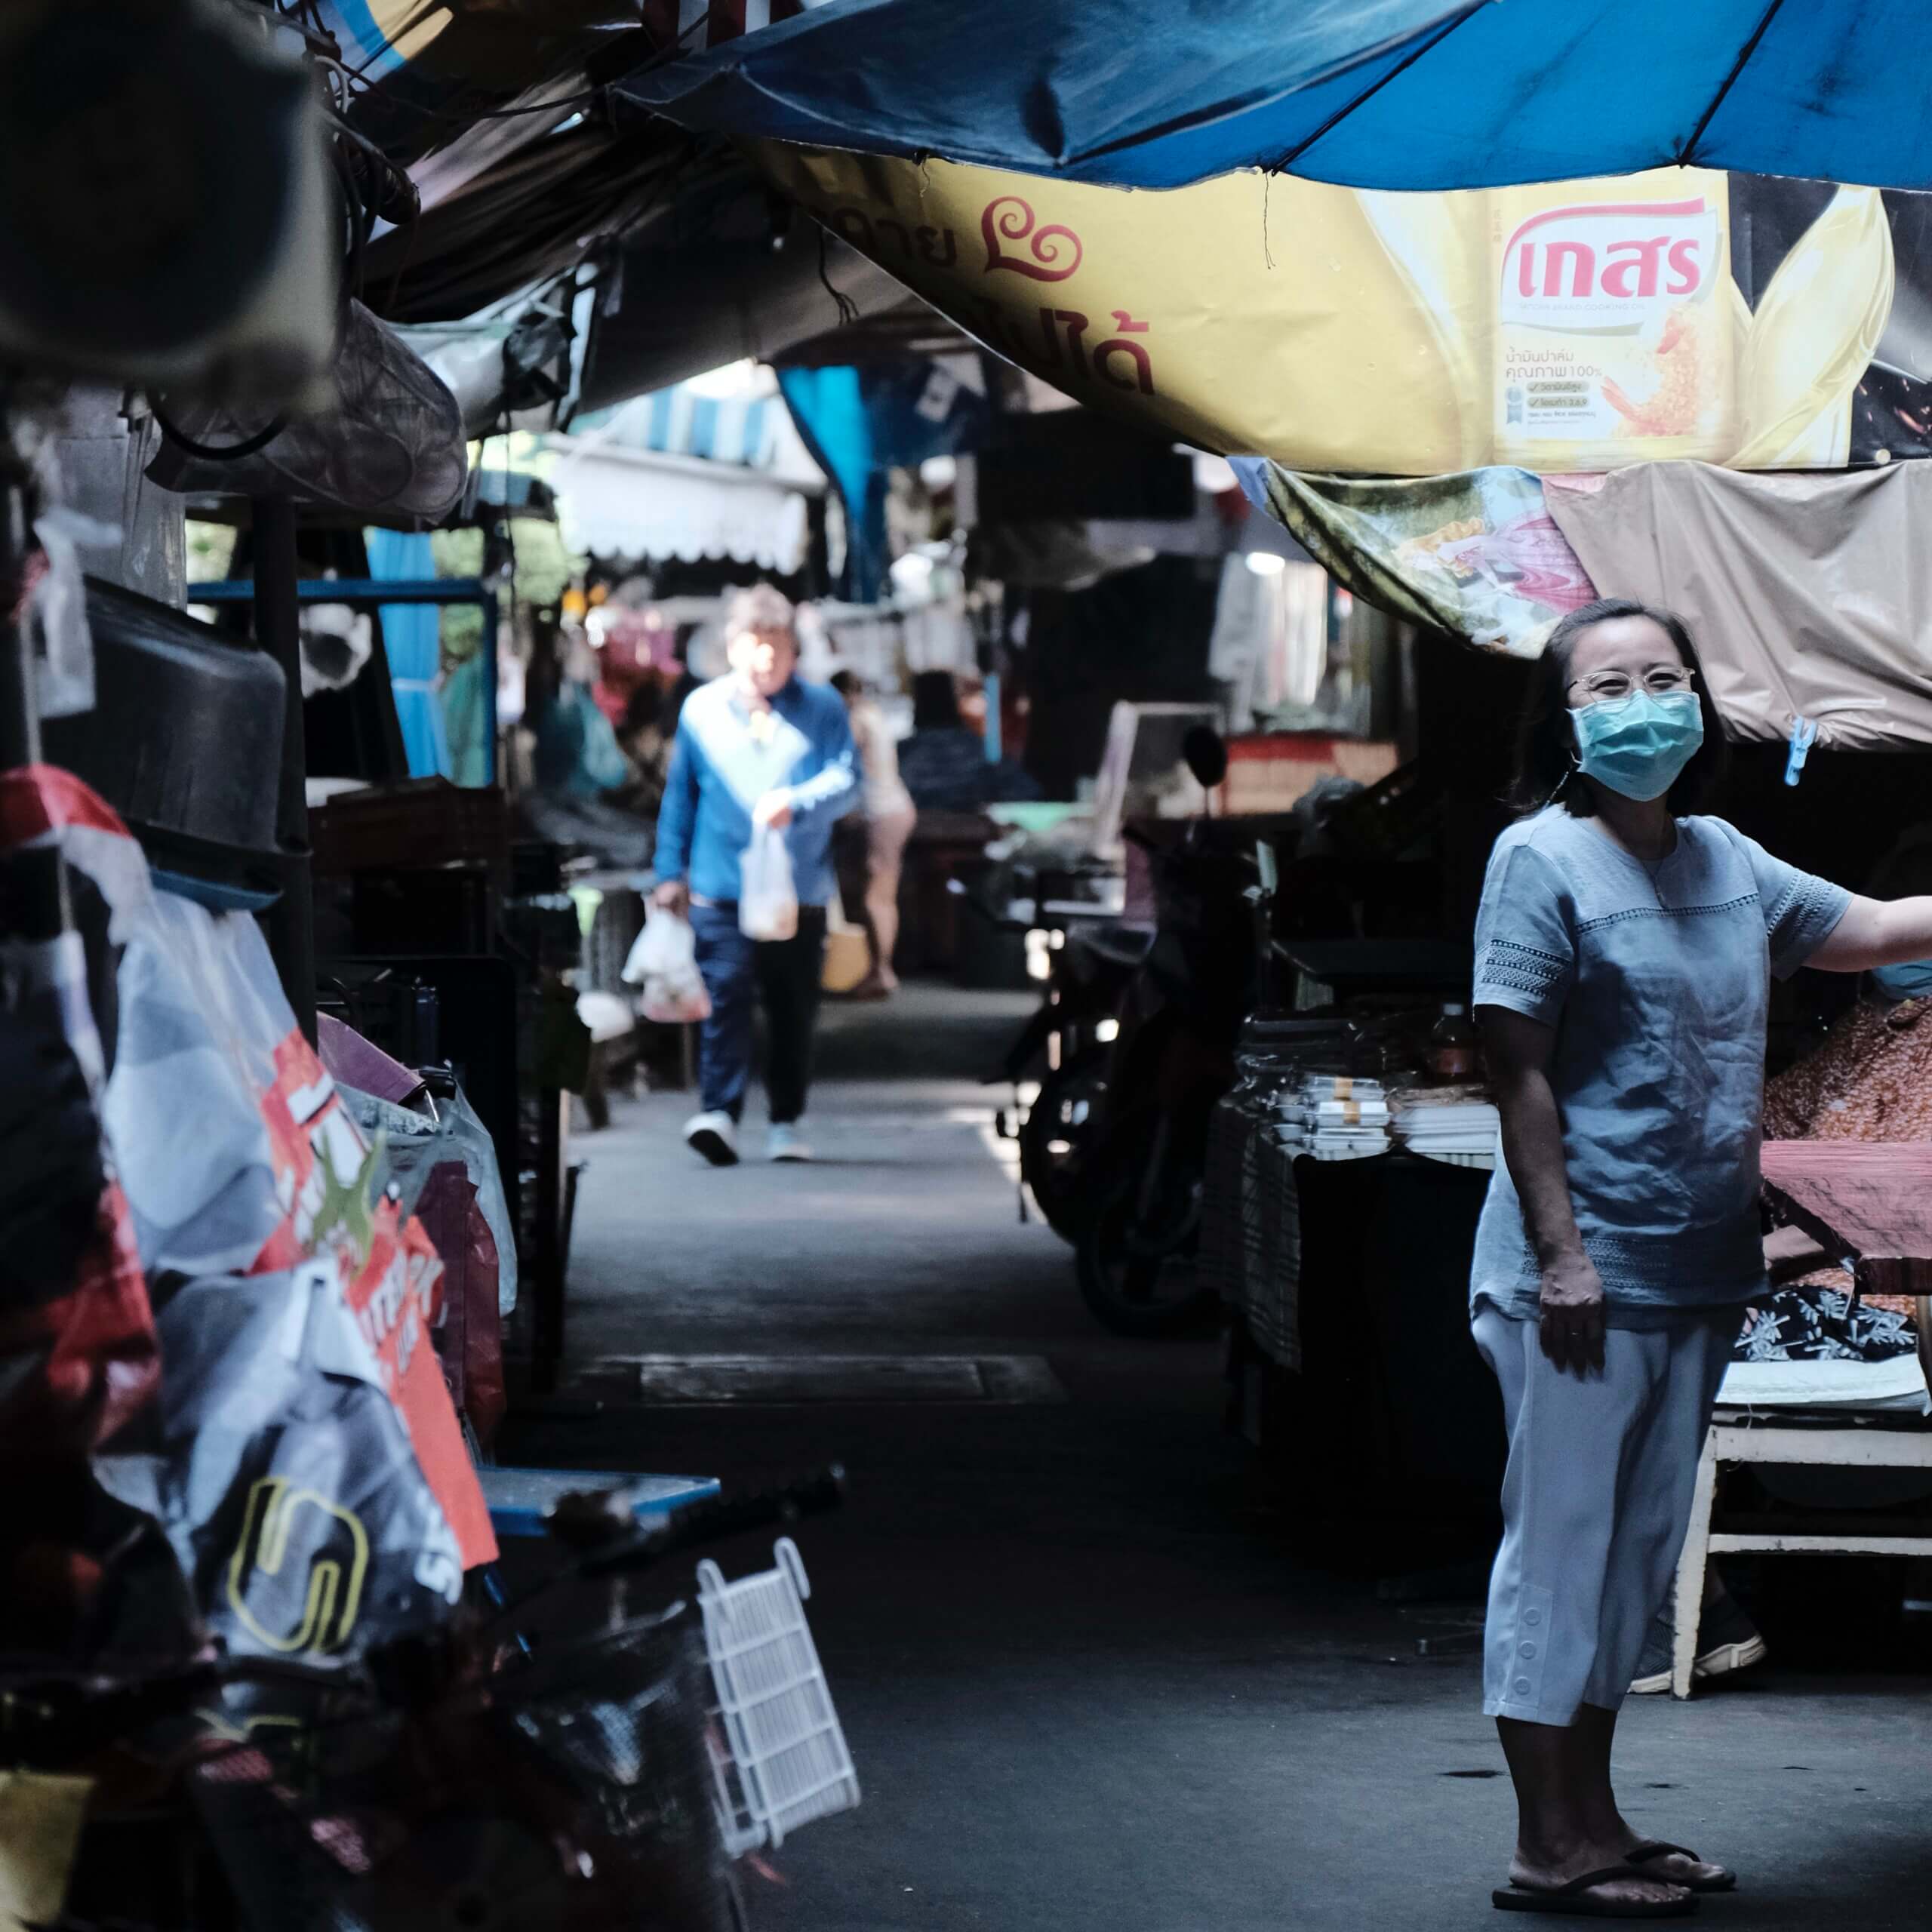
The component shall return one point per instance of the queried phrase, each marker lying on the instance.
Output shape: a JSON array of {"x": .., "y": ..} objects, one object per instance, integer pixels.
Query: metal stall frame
[{"x": 373, "y": 591}]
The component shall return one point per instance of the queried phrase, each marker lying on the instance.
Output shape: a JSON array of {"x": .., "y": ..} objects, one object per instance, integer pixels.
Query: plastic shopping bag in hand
[
  {"x": 767, "y": 901},
  {"x": 664, "y": 963}
]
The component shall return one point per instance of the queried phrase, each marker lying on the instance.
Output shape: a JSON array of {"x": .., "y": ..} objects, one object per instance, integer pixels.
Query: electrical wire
[
  {"x": 563, "y": 105},
  {"x": 848, "y": 310},
  {"x": 347, "y": 87},
  {"x": 360, "y": 219},
  {"x": 216, "y": 452}
]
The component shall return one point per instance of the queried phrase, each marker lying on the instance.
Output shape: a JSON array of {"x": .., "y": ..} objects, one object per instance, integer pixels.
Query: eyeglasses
[{"x": 1607, "y": 687}]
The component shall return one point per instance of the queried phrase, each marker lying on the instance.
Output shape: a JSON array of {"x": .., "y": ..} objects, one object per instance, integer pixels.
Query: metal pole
[
  {"x": 363, "y": 591},
  {"x": 20, "y": 711},
  {"x": 492, "y": 724},
  {"x": 35, "y": 903},
  {"x": 292, "y": 921},
  {"x": 546, "y": 1335}
]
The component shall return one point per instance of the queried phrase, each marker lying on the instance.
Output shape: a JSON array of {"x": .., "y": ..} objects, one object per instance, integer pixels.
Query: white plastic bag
[
  {"x": 768, "y": 900},
  {"x": 59, "y": 640},
  {"x": 664, "y": 963}
]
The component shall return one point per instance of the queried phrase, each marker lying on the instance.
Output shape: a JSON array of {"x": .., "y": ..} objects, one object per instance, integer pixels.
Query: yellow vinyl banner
[{"x": 1578, "y": 325}]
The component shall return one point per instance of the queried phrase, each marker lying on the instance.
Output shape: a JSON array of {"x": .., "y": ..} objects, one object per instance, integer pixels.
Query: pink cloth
[{"x": 1871, "y": 1200}]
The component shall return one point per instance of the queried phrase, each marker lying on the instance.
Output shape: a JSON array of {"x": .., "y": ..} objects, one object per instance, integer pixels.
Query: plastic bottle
[{"x": 1451, "y": 1054}]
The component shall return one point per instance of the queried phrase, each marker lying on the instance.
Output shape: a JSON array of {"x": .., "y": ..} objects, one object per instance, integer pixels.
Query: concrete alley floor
[{"x": 1087, "y": 1688}]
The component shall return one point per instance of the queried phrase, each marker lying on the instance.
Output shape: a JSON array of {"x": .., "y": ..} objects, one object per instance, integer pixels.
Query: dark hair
[
  {"x": 846, "y": 683},
  {"x": 935, "y": 701},
  {"x": 1546, "y": 743}
]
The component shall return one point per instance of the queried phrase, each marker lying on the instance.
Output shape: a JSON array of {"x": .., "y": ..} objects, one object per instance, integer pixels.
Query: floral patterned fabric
[{"x": 1818, "y": 1319}]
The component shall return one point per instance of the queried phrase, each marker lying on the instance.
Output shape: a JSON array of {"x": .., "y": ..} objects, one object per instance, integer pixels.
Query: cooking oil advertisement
[{"x": 1574, "y": 326}]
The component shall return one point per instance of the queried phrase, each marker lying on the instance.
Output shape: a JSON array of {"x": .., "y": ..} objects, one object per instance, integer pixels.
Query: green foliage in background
[
  {"x": 211, "y": 549},
  {"x": 544, "y": 571}
]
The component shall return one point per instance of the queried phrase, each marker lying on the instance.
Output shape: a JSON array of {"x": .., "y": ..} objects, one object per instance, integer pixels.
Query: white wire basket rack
[{"x": 783, "y": 1759}]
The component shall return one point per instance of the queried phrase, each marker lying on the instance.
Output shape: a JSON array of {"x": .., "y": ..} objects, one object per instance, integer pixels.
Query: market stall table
[
  {"x": 1871, "y": 1202},
  {"x": 1351, "y": 1361}
]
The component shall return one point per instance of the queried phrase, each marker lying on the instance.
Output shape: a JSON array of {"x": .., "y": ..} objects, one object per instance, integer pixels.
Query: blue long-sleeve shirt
[{"x": 727, "y": 756}]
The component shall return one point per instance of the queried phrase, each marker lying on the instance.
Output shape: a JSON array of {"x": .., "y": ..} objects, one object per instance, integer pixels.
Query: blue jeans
[{"x": 784, "y": 973}]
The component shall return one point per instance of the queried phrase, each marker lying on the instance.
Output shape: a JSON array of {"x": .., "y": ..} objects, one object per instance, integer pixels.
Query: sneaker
[
  {"x": 784, "y": 1143},
  {"x": 1729, "y": 1642},
  {"x": 714, "y": 1135}
]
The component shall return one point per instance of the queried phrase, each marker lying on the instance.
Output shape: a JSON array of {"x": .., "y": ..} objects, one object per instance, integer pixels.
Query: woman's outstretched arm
[{"x": 1878, "y": 932}]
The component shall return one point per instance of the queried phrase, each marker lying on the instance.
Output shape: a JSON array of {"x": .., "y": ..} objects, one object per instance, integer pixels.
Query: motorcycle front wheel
[
  {"x": 1139, "y": 1271},
  {"x": 1055, "y": 1142}
]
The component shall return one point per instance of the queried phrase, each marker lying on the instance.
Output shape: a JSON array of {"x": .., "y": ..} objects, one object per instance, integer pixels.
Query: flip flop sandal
[
  {"x": 1641, "y": 1854},
  {"x": 1573, "y": 1900}
]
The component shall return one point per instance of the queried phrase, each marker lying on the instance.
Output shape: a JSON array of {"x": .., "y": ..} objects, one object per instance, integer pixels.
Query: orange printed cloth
[{"x": 1870, "y": 1080}]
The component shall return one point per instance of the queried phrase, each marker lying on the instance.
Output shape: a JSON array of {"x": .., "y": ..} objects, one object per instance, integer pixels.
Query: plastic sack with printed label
[
  {"x": 442, "y": 1166},
  {"x": 243, "y": 1173},
  {"x": 78, "y": 1351},
  {"x": 663, "y": 965},
  {"x": 277, "y": 1171},
  {"x": 767, "y": 900},
  {"x": 282, "y": 1473}
]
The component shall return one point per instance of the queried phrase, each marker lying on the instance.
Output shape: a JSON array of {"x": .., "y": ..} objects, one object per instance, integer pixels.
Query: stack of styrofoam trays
[
  {"x": 1343, "y": 1118},
  {"x": 1447, "y": 1120}
]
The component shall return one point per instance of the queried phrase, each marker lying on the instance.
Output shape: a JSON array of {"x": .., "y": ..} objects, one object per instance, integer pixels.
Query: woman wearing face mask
[{"x": 1623, "y": 958}]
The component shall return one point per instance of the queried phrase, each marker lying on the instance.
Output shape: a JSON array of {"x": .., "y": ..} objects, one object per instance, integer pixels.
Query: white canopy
[{"x": 619, "y": 502}]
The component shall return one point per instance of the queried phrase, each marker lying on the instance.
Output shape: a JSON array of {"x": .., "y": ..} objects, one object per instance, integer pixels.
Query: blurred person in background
[
  {"x": 575, "y": 753},
  {"x": 889, "y": 815},
  {"x": 757, "y": 747},
  {"x": 644, "y": 740},
  {"x": 943, "y": 763}
]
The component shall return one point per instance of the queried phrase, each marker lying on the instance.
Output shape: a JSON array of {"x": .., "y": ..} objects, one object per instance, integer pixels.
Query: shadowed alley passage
[{"x": 1087, "y": 1687}]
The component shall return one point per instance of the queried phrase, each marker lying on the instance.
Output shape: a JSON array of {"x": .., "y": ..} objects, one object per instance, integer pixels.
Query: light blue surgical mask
[
  {"x": 1637, "y": 745},
  {"x": 1910, "y": 978}
]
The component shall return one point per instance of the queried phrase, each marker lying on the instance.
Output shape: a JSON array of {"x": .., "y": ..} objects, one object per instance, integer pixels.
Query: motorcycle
[
  {"x": 1069, "y": 1038},
  {"x": 1170, "y": 1062}
]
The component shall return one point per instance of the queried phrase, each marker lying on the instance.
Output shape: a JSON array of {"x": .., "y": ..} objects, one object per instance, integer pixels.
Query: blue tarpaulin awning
[{"x": 1373, "y": 93}]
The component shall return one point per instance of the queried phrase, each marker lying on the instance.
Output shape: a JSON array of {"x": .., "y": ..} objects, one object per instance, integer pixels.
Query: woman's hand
[
  {"x": 1519, "y": 1048},
  {"x": 773, "y": 809},
  {"x": 1572, "y": 1327}
]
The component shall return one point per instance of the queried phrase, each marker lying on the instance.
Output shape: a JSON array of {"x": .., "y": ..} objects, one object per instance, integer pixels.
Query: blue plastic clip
[{"x": 1804, "y": 735}]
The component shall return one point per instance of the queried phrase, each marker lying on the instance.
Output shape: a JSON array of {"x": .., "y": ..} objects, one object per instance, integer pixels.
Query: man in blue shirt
[{"x": 757, "y": 747}]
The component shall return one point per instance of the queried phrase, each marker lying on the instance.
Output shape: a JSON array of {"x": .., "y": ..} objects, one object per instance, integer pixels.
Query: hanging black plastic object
[
  {"x": 184, "y": 741},
  {"x": 166, "y": 211}
]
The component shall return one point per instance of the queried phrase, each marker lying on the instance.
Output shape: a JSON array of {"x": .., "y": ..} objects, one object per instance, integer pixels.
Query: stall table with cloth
[
  {"x": 1871, "y": 1202},
  {"x": 1352, "y": 1362}
]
